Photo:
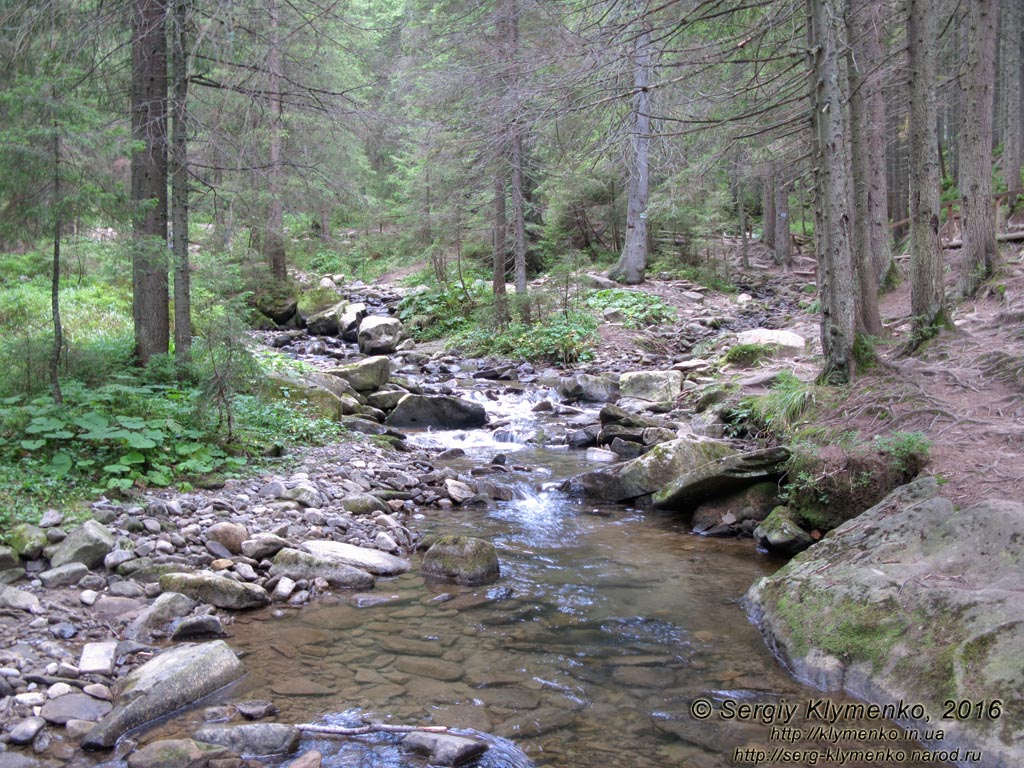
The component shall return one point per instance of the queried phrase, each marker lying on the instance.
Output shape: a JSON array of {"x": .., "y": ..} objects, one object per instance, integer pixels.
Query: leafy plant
[
  {"x": 566, "y": 339},
  {"x": 776, "y": 413},
  {"x": 908, "y": 450},
  {"x": 748, "y": 354},
  {"x": 639, "y": 308}
]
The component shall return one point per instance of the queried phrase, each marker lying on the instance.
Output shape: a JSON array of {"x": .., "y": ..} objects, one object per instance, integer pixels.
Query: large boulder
[
  {"x": 436, "y": 412},
  {"x": 781, "y": 534},
  {"x": 365, "y": 375},
  {"x": 298, "y": 565},
  {"x": 461, "y": 559},
  {"x": 19, "y": 600},
  {"x": 648, "y": 473},
  {"x": 215, "y": 589},
  {"x": 158, "y": 614},
  {"x": 348, "y": 323},
  {"x": 721, "y": 476},
  {"x": 88, "y": 544},
  {"x": 327, "y": 322},
  {"x": 27, "y": 540},
  {"x": 371, "y": 560},
  {"x": 176, "y": 753},
  {"x": 589, "y": 388},
  {"x": 913, "y": 601},
  {"x": 653, "y": 386},
  {"x": 379, "y": 335},
  {"x": 786, "y": 343},
  {"x": 174, "y": 679}
]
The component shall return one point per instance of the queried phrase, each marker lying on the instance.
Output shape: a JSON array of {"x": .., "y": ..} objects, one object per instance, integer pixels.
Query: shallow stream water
[{"x": 606, "y": 625}]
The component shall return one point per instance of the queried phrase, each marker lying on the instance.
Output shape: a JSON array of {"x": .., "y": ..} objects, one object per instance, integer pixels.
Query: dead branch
[{"x": 362, "y": 730}]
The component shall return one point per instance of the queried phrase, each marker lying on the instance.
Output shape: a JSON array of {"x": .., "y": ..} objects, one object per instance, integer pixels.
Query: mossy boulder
[
  {"x": 720, "y": 476},
  {"x": 654, "y": 386},
  {"x": 648, "y": 473},
  {"x": 462, "y": 560},
  {"x": 779, "y": 533},
  {"x": 89, "y": 544},
  {"x": 365, "y": 375},
  {"x": 217, "y": 590},
  {"x": 912, "y": 601},
  {"x": 27, "y": 540}
]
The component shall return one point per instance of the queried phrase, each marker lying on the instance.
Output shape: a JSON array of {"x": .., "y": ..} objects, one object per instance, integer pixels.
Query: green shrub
[
  {"x": 909, "y": 451},
  {"x": 748, "y": 354},
  {"x": 565, "y": 339},
  {"x": 776, "y": 413},
  {"x": 640, "y": 309}
]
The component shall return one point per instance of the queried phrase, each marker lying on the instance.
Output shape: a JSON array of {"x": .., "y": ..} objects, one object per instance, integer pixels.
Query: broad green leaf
[
  {"x": 60, "y": 464},
  {"x": 60, "y": 434},
  {"x": 31, "y": 445},
  {"x": 134, "y": 457},
  {"x": 136, "y": 440},
  {"x": 116, "y": 469},
  {"x": 158, "y": 478}
]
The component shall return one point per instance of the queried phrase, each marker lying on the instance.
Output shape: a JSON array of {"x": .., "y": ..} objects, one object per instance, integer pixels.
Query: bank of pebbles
[{"x": 355, "y": 492}]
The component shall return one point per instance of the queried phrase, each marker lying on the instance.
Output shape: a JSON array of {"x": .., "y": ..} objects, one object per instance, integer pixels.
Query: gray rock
[
  {"x": 19, "y": 760},
  {"x": 172, "y": 680},
  {"x": 263, "y": 545},
  {"x": 365, "y": 375},
  {"x": 98, "y": 658},
  {"x": 19, "y": 600},
  {"x": 63, "y": 576},
  {"x": 379, "y": 335},
  {"x": 8, "y": 559},
  {"x": 298, "y": 565},
  {"x": 592, "y": 389},
  {"x": 51, "y": 518},
  {"x": 89, "y": 544},
  {"x": 916, "y": 601},
  {"x": 720, "y": 476},
  {"x": 176, "y": 753},
  {"x": 654, "y": 386},
  {"x": 372, "y": 560},
  {"x": 217, "y": 590},
  {"x": 26, "y": 730},
  {"x": 327, "y": 322},
  {"x": 444, "y": 748},
  {"x": 27, "y": 541},
  {"x": 193, "y": 627},
  {"x": 780, "y": 533},
  {"x": 167, "y": 607},
  {"x": 461, "y": 559},
  {"x": 231, "y": 535},
  {"x": 306, "y": 494},
  {"x": 74, "y": 706},
  {"x": 252, "y": 738},
  {"x": 786, "y": 343},
  {"x": 256, "y": 709},
  {"x": 436, "y": 412},
  {"x": 648, "y": 473},
  {"x": 364, "y": 504}
]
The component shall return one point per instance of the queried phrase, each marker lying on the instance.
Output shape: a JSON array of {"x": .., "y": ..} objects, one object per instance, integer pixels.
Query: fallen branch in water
[{"x": 361, "y": 730}]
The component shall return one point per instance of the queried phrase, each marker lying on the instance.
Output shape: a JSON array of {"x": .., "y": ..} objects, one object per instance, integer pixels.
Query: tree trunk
[
  {"x": 149, "y": 179},
  {"x": 179, "y": 186},
  {"x": 633, "y": 260},
  {"x": 978, "y": 85},
  {"x": 58, "y": 224},
  {"x": 499, "y": 260},
  {"x": 832, "y": 198},
  {"x": 768, "y": 207},
  {"x": 1012, "y": 65},
  {"x": 273, "y": 241},
  {"x": 518, "y": 219},
  {"x": 927, "y": 301},
  {"x": 782, "y": 252}
]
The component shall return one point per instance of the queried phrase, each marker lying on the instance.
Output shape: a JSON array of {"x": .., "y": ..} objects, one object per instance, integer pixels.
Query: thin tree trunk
[
  {"x": 1012, "y": 65},
  {"x": 768, "y": 207},
  {"x": 633, "y": 260},
  {"x": 179, "y": 187},
  {"x": 274, "y": 239},
  {"x": 149, "y": 179},
  {"x": 499, "y": 260},
  {"x": 926, "y": 291},
  {"x": 864, "y": 127},
  {"x": 58, "y": 225},
  {"x": 782, "y": 251},
  {"x": 832, "y": 201},
  {"x": 518, "y": 219},
  {"x": 744, "y": 234},
  {"x": 978, "y": 85}
]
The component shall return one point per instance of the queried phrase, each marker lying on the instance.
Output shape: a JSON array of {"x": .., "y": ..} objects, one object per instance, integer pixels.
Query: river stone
[
  {"x": 12, "y": 759},
  {"x": 435, "y": 669},
  {"x": 231, "y": 535},
  {"x": 780, "y": 533},
  {"x": 74, "y": 706},
  {"x": 364, "y": 504},
  {"x": 63, "y": 575},
  {"x": 371, "y": 560},
  {"x": 98, "y": 658},
  {"x": 655, "y": 386},
  {"x": 219, "y": 591},
  {"x": 167, "y": 607},
  {"x": 379, "y": 335},
  {"x": 348, "y": 323},
  {"x": 19, "y": 600},
  {"x": 444, "y": 748},
  {"x": 720, "y": 476},
  {"x": 436, "y": 412},
  {"x": 27, "y": 540},
  {"x": 461, "y": 559},
  {"x": 252, "y": 738},
  {"x": 195, "y": 627},
  {"x": 327, "y": 322},
  {"x": 177, "y": 677},
  {"x": 176, "y": 753},
  {"x": 589, "y": 388},
  {"x": 915, "y": 601},
  {"x": 365, "y": 375},
  {"x": 26, "y": 730},
  {"x": 88, "y": 544},
  {"x": 648, "y": 473},
  {"x": 8, "y": 559},
  {"x": 737, "y": 512},
  {"x": 310, "y": 759},
  {"x": 263, "y": 545},
  {"x": 298, "y": 565},
  {"x": 786, "y": 343}
]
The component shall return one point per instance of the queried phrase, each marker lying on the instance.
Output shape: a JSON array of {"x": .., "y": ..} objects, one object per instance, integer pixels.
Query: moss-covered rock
[
  {"x": 780, "y": 533},
  {"x": 27, "y": 540},
  {"x": 914, "y": 601},
  {"x": 461, "y": 559},
  {"x": 217, "y": 590}
]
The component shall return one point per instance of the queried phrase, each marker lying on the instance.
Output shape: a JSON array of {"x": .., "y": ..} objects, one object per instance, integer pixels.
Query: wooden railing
[{"x": 952, "y": 215}]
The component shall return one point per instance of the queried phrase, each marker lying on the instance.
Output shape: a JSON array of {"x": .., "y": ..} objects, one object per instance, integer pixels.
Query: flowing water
[{"x": 606, "y": 624}]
